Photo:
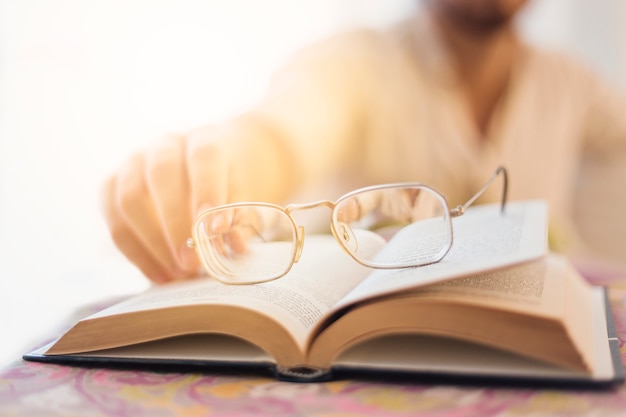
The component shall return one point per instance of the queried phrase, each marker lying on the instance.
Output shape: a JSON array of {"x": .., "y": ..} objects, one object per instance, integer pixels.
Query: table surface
[{"x": 36, "y": 389}]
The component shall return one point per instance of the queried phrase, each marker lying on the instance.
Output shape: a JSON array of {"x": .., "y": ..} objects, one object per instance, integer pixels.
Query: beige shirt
[{"x": 373, "y": 107}]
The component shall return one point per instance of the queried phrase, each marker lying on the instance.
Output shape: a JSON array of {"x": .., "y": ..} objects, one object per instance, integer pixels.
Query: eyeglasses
[{"x": 249, "y": 243}]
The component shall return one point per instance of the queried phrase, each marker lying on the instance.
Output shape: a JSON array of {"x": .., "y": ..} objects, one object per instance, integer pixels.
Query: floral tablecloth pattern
[{"x": 36, "y": 389}]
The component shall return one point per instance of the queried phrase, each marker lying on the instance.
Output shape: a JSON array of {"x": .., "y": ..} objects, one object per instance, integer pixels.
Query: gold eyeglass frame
[{"x": 299, "y": 230}]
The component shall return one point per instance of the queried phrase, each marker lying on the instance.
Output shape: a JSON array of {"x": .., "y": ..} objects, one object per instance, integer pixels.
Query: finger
[
  {"x": 234, "y": 229},
  {"x": 166, "y": 177},
  {"x": 237, "y": 241},
  {"x": 134, "y": 202},
  {"x": 207, "y": 169},
  {"x": 221, "y": 227},
  {"x": 125, "y": 239},
  {"x": 224, "y": 236},
  {"x": 349, "y": 210}
]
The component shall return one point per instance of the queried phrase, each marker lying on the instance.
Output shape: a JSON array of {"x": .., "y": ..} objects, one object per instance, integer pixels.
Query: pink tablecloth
[{"x": 34, "y": 389}]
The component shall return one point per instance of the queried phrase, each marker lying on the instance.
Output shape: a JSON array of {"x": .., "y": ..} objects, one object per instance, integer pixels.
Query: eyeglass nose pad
[
  {"x": 299, "y": 243},
  {"x": 346, "y": 235}
]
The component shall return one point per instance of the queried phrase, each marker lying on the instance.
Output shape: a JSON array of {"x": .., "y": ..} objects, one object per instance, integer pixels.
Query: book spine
[{"x": 303, "y": 373}]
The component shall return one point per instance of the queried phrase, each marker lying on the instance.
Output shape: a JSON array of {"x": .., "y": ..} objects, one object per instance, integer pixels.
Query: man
[{"x": 441, "y": 98}]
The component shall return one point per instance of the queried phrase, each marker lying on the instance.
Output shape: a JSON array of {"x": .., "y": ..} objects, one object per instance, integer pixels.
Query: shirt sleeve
[
  {"x": 606, "y": 124},
  {"x": 601, "y": 186}
]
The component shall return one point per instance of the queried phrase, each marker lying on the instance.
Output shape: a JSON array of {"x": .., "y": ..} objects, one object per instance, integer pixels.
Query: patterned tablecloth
[{"x": 35, "y": 389}]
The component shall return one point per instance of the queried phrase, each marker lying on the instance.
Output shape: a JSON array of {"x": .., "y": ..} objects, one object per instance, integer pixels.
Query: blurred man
[{"x": 441, "y": 98}]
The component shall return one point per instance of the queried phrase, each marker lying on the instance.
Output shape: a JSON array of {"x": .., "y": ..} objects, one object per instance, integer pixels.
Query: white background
[{"x": 85, "y": 83}]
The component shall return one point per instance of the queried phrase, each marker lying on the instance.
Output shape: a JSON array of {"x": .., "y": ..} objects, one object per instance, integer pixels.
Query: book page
[
  {"x": 323, "y": 275},
  {"x": 536, "y": 308},
  {"x": 535, "y": 287},
  {"x": 548, "y": 287},
  {"x": 430, "y": 353},
  {"x": 427, "y": 353},
  {"x": 484, "y": 239}
]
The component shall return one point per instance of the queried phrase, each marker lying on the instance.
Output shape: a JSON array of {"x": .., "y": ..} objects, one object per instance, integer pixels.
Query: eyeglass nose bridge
[
  {"x": 300, "y": 229},
  {"x": 307, "y": 206}
]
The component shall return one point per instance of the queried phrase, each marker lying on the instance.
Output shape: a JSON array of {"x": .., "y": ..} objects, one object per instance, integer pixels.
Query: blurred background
[{"x": 85, "y": 83}]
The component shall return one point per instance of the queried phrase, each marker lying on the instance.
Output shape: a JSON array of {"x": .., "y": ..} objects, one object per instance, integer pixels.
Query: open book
[{"x": 495, "y": 306}]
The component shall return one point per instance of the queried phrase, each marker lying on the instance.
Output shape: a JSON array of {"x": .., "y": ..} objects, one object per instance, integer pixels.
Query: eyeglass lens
[
  {"x": 246, "y": 244},
  {"x": 414, "y": 216}
]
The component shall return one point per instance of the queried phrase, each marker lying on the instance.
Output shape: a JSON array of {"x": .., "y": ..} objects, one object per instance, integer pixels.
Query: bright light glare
[{"x": 85, "y": 83}]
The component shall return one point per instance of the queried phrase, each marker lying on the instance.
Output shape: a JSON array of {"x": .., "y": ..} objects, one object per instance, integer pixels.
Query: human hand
[{"x": 150, "y": 203}]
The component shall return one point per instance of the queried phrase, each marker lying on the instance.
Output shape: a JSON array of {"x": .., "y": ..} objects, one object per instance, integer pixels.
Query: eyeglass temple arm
[{"x": 459, "y": 210}]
